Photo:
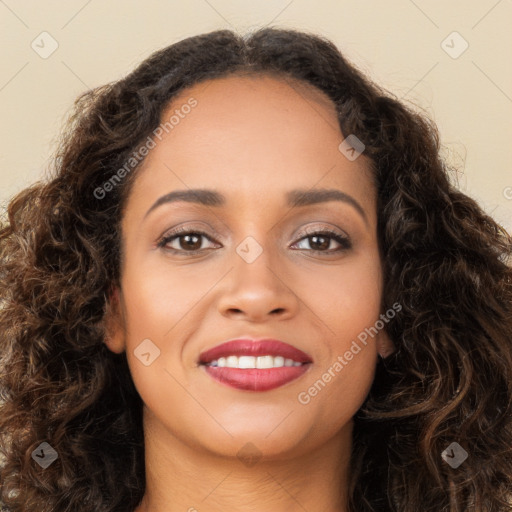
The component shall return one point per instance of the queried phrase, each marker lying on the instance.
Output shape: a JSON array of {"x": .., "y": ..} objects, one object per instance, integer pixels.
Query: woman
[{"x": 250, "y": 285}]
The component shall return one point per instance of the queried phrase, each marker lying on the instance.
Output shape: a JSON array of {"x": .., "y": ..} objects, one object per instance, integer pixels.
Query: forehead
[
  {"x": 267, "y": 86},
  {"x": 253, "y": 134},
  {"x": 262, "y": 97}
]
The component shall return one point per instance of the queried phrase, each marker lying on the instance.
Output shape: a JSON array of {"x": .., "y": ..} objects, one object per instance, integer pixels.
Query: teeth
[
  {"x": 278, "y": 361},
  {"x": 243, "y": 362},
  {"x": 265, "y": 362},
  {"x": 248, "y": 362}
]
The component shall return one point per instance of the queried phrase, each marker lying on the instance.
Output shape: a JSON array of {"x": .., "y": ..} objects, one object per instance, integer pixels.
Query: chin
[{"x": 268, "y": 437}]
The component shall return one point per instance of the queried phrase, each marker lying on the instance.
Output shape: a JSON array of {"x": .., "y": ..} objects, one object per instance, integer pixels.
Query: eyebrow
[{"x": 294, "y": 198}]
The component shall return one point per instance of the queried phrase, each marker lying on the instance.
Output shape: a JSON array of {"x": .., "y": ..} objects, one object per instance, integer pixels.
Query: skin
[{"x": 252, "y": 138}]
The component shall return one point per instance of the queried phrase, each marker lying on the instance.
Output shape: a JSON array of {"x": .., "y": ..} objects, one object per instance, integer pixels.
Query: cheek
[
  {"x": 337, "y": 392},
  {"x": 155, "y": 307},
  {"x": 156, "y": 310},
  {"x": 156, "y": 303},
  {"x": 346, "y": 299},
  {"x": 348, "y": 303}
]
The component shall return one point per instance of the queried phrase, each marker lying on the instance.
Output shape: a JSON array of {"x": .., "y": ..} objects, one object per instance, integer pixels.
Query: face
[{"x": 246, "y": 261}]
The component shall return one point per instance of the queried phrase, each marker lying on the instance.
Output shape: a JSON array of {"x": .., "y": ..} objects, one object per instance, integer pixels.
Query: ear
[
  {"x": 385, "y": 345},
  {"x": 114, "y": 325}
]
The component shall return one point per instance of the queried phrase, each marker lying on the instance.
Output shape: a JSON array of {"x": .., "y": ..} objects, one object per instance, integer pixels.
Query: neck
[{"x": 180, "y": 477}]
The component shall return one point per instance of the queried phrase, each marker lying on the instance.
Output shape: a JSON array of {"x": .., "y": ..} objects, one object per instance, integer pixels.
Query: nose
[{"x": 258, "y": 291}]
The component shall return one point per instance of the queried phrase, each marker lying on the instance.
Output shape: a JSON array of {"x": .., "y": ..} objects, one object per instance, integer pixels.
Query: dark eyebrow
[
  {"x": 199, "y": 196},
  {"x": 295, "y": 198}
]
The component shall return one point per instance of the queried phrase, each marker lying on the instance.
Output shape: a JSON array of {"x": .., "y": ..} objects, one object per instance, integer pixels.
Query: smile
[
  {"x": 261, "y": 362},
  {"x": 254, "y": 365}
]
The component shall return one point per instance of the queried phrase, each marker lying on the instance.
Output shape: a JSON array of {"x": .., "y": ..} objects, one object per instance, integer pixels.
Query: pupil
[
  {"x": 191, "y": 245},
  {"x": 324, "y": 245}
]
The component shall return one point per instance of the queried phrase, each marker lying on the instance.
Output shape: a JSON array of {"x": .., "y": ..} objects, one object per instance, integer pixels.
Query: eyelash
[{"x": 343, "y": 240}]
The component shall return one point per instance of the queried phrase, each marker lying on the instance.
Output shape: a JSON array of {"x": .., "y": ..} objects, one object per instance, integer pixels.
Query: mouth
[{"x": 254, "y": 365}]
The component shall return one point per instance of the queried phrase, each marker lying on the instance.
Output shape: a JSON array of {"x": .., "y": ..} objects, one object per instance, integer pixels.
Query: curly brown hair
[{"x": 445, "y": 261}]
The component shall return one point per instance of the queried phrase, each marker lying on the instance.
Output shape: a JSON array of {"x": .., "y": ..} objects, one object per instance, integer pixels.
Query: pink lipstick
[{"x": 255, "y": 365}]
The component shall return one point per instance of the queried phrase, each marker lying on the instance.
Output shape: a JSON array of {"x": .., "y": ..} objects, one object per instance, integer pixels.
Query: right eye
[{"x": 185, "y": 241}]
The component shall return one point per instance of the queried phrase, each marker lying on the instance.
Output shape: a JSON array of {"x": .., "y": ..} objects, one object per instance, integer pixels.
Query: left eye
[{"x": 320, "y": 241}]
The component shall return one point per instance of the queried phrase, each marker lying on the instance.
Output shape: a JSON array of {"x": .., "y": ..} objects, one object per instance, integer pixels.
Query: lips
[
  {"x": 248, "y": 347},
  {"x": 254, "y": 365}
]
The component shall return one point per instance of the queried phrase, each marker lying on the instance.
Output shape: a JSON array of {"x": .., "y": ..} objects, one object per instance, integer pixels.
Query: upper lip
[{"x": 254, "y": 347}]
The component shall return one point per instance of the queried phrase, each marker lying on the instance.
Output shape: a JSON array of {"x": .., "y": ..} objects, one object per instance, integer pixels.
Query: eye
[
  {"x": 189, "y": 241},
  {"x": 322, "y": 241},
  {"x": 184, "y": 241}
]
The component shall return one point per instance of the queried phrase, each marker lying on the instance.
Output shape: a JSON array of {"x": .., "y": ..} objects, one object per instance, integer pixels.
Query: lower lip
[{"x": 255, "y": 379}]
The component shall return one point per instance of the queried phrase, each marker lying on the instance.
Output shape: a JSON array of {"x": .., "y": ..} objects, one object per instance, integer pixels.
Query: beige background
[{"x": 398, "y": 42}]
